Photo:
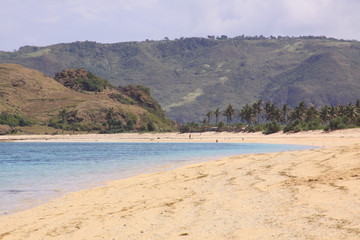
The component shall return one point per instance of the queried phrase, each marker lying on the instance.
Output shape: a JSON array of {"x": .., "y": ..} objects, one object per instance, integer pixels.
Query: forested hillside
[{"x": 191, "y": 76}]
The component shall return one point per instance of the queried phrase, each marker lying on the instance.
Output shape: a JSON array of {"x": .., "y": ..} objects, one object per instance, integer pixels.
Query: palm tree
[
  {"x": 229, "y": 113},
  {"x": 311, "y": 114},
  {"x": 299, "y": 112},
  {"x": 285, "y": 111},
  {"x": 351, "y": 112},
  {"x": 257, "y": 109},
  {"x": 357, "y": 105},
  {"x": 209, "y": 115},
  {"x": 340, "y": 110},
  {"x": 217, "y": 113},
  {"x": 272, "y": 113},
  {"x": 246, "y": 114},
  {"x": 324, "y": 114},
  {"x": 204, "y": 122}
]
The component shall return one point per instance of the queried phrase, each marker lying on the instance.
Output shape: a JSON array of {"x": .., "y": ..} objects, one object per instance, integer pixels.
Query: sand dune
[{"x": 312, "y": 194}]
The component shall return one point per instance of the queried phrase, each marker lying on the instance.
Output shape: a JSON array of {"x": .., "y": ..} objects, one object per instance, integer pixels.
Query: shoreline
[
  {"x": 61, "y": 192},
  {"x": 141, "y": 204},
  {"x": 317, "y": 137}
]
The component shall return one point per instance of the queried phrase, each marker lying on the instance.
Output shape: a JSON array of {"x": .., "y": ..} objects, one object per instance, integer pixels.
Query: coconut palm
[
  {"x": 351, "y": 112},
  {"x": 257, "y": 109},
  {"x": 246, "y": 114},
  {"x": 217, "y": 113},
  {"x": 333, "y": 113},
  {"x": 324, "y": 114},
  {"x": 272, "y": 113},
  {"x": 299, "y": 112},
  {"x": 285, "y": 112},
  {"x": 209, "y": 115},
  {"x": 229, "y": 113},
  {"x": 311, "y": 114}
]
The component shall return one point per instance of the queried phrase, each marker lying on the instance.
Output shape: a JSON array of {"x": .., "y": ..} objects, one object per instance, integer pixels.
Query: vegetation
[
  {"x": 71, "y": 106},
  {"x": 81, "y": 80},
  {"x": 189, "y": 76},
  {"x": 67, "y": 120},
  {"x": 92, "y": 83},
  {"x": 270, "y": 118},
  {"x": 14, "y": 120}
]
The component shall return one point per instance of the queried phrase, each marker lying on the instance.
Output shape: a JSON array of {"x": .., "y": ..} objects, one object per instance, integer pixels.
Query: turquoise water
[{"x": 31, "y": 173}]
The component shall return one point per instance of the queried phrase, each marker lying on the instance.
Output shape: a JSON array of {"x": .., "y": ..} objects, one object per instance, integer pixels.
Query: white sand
[{"x": 312, "y": 194}]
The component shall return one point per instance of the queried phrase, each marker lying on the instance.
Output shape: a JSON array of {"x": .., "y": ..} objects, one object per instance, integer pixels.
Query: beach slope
[{"x": 311, "y": 194}]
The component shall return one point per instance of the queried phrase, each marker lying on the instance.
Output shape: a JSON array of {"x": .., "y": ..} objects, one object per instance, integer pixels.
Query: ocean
[{"x": 33, "y": 173}]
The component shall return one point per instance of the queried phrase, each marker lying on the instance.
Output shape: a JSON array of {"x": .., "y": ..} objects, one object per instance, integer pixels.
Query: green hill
[
  {"x": 190, "y": 76},
  {"x": 46, "y": 103}
]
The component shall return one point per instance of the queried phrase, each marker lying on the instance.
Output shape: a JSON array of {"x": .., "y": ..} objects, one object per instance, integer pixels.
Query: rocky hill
[
  {"x": 190, "y": 76},
  {"x": 89, "y": 103}
]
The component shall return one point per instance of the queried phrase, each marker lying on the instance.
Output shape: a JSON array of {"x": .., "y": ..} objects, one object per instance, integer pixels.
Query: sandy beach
[{"x": 311, "y": 194}]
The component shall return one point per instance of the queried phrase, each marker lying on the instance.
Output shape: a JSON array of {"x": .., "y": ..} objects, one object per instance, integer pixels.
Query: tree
[
  {"x": 217, "y": 113},
  {"x": 257, "y": 109},
  {"x": 333, "y": 113},
  {"x": 209, "y": 115},
  {"x": 285, "y": 111},
  {"x": 229, "y": 113},
  {"x": 299, "y": 112},
  {"x": 351, "y": 112},
  {"x": 340, "y": 110},
  {"x": 311, "y": 114},
  {"x": 246, "y": 114},
  {"x": 272, "y": 113},
  {"x": 204, "y": 122},
  {"x": 357, "y": 105},
  {"x": 324, "y": 114}
]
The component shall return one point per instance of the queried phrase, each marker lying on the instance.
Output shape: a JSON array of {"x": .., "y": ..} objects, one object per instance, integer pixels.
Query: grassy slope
[
  {"x": 32, "y": 94},
  {"x": 189, "y": 77}
]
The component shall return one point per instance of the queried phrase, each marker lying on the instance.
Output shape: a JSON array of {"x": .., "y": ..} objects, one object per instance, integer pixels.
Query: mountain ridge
[{"x": 190, "y": 76}]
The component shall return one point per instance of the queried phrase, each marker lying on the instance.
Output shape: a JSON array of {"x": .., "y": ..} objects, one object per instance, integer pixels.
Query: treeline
[
  {"x": 269, "y": 118},
  {"x": 112, "y": 122},
  {"x": 255, "y": 37}
]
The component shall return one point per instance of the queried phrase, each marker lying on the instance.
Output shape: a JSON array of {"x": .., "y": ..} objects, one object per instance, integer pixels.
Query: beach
[{"x": 309, "y": 194}]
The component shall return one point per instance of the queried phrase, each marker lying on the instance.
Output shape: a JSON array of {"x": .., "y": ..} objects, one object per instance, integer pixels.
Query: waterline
[{"x": 31, "y": 173}]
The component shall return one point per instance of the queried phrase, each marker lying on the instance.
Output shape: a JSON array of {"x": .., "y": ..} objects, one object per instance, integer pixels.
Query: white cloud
[{"x": 43, "y": 22}]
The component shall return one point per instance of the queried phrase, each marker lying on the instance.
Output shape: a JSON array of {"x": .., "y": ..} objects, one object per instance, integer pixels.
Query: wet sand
[{"x": 311, "y": 194}]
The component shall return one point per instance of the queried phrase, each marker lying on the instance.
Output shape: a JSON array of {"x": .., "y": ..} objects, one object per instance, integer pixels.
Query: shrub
[
  {"x": 254, "y": 128},
  {"x": 314, "y": 125},
  {"x": 272, "y": 127},
  {"x": 221, "y": 124},
  {"x": 129, "y": 125},
  {"x": 92, "y": 83},
  {"x": 151, "y": 127},
  {"x": 296, "y": 126},
  {"x": 336, "y": 123},
  {"x": 14, "y": 120}
]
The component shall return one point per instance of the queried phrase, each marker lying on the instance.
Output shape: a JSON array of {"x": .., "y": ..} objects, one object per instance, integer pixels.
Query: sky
[{"x": 47, "y": 22}]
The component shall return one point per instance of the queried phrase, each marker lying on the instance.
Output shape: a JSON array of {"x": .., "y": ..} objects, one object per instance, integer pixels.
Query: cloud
[{"x": 43, "y": 22}]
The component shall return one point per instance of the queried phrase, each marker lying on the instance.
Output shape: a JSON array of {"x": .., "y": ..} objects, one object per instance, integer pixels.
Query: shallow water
[{"x": 31, "y": 173}]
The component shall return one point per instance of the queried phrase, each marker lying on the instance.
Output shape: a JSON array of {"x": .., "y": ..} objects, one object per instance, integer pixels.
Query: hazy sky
[{"x": 46, "y": 22}]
